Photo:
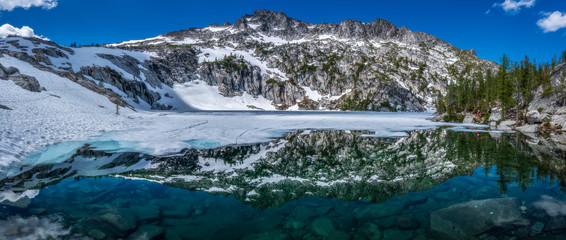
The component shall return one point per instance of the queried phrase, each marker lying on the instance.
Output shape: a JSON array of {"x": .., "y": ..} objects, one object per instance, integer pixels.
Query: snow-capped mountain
[{"x": 263, "y": 61}]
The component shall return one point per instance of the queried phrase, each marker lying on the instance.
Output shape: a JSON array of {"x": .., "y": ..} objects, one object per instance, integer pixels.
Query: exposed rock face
[
  {"x": 24, "y": 81},
  {"x": 454, "y": 222},
  {"x": 531, "y": 128},
  {"x": 132, "y": 88},
  {"x": 345, "y": 66},
  {"x": 550, "y": 107},
  {"x": 350, "y": 65}
]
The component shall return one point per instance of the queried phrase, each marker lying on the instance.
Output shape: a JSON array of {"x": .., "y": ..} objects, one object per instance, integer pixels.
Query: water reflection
[{"x": 307, "y": 185}]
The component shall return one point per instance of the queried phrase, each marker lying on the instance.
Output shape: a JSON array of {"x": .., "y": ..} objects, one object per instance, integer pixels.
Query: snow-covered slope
[{"x": 66, "y": 111}]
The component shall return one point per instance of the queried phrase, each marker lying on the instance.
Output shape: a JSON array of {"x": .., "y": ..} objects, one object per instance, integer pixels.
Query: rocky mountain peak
[{"x": 264, "y": 20}]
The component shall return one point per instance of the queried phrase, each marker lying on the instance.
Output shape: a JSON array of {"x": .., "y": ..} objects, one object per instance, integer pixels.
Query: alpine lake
[{"x": 437, "y": 183}]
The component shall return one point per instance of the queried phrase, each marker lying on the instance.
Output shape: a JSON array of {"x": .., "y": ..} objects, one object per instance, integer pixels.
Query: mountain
[{"x": 266, "y": 60}]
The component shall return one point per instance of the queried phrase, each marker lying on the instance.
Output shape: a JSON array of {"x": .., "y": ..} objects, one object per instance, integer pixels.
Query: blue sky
[{"x": 491, "y": 27}]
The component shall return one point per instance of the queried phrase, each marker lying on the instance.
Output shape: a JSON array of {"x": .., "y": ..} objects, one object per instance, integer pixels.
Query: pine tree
[{"x": 504, "y": 84}]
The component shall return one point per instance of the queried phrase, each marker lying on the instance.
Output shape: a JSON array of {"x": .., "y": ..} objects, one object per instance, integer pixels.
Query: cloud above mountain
[
  {"x": 552, "y": 22},
  {"x": 9, "y": 5},
  {"x": 514, "y": 6},
  {"x": 9, "y": 30}
]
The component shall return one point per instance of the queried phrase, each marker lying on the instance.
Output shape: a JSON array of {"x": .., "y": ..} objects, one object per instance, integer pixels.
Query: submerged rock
[
  {"x": 272, "y": 235},
  {"x": 407, "y": 222},
  {"x": 371, "y": 231},
  {"x": 147, "y": 232},
  {"x": 123, "y": 222},
  {"x": 470, "y": 219},
  {"x": 555, "y": 224},
  {"x": 389, "y": 208},
  {"x": 323, "y": 227},
  {"x": 394, "y": 234}
]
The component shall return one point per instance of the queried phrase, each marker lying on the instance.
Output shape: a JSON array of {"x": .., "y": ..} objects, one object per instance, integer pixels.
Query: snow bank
[{"x": 202, "y": 96}]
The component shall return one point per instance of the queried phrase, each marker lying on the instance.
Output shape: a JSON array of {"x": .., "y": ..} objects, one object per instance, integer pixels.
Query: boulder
[
  {"x": 470, "y": 219},
  {"x": 493, "y": 125},
  {"x": 535, "y": 117},
  {"x": 531, "y": 128},
  {"x": 494, "y": 117},
  {"x": 506, "y": 125},
  {"x": 469, "y": 119}
]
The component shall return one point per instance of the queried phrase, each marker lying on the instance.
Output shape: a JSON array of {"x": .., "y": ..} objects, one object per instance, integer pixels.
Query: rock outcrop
[{"x": 24, "y": 81}]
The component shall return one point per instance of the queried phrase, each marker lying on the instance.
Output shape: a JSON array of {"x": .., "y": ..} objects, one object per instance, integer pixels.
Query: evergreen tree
[{"x": 504, "y": 83}]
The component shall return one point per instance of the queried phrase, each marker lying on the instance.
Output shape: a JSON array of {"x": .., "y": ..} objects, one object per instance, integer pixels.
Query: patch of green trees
[{"x": 510, "y": 88}]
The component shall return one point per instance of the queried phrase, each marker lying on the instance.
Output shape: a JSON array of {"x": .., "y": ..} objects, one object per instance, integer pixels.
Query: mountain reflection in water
[{"x": 308, "y": 184}]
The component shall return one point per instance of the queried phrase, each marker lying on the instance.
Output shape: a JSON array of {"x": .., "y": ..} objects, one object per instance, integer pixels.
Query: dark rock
[
  {"x": 24, "y": 81},
  {"x": 275, "y": 235},
  {"x": 537, "y": 228},
  {"x": 407, "y": 222},
  {"x": 4, "y": 107},
  {"x": 387, "y": 222},
  {"x": 555, "y": 224},
  {"x": 394, "y": 234}
]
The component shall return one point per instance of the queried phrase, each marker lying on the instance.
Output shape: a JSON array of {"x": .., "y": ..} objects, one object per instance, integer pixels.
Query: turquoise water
[
  {"x": 435, "y": 184},
  {"x": 117, "y": 208}
]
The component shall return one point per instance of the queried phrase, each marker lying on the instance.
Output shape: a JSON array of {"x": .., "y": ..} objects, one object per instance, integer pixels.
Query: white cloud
[
  {"x": 514, "y": 6},
  {"x": 552, "y": 22},
  {"x": 9, "y": 30},
  {"x": 9, "y": 5}
]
